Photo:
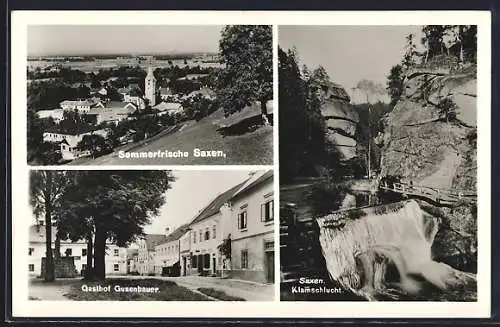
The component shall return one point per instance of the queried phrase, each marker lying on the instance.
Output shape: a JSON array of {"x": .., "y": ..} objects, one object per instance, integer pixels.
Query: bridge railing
[{"x": 432, "y": 192}]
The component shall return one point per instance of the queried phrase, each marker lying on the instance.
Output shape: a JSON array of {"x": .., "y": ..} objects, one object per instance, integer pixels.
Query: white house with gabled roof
[
  {"x": 252, "y": 229},
  {"x": 208, "y": 229}
]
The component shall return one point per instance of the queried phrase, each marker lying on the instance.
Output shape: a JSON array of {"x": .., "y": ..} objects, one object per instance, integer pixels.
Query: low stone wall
[{"x": 64, "y": 267}]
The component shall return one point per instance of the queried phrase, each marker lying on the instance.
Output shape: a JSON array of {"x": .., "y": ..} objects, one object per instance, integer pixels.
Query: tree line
[
  {"x": 441, "y": 43},
  {"x": 100, "y": 207},
  {"x": 304, "y": 150}
]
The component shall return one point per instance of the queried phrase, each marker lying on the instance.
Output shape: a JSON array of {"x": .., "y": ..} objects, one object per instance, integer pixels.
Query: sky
[
  {"x": 191, "y": 192},
  {"x": 95, "y": 39},
  {"x": 349, "y": 53}
]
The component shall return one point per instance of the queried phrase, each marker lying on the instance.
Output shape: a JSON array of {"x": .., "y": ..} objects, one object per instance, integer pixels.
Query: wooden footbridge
[{"x": 438, "y": 195}]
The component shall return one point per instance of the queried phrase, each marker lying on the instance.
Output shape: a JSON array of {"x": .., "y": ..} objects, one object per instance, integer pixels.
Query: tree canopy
[
  {"x": 395, "y": 83},
  {"x": 246, "y": 52},
  {"x": 305, "y": 151},
  {"x": 113, "y": 206}
]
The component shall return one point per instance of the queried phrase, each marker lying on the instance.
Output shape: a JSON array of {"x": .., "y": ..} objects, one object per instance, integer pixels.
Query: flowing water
[{"x": 384, "y": 253}]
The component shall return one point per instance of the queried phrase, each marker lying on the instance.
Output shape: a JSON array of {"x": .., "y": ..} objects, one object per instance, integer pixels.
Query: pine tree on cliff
[
  {"x": 410, "y": 52},
  {"x": 246, "y": 52},
  {"x": 395, "y": 84},
  {"x": 433, "y": 40},
  {"x": 113, "y": 206}
]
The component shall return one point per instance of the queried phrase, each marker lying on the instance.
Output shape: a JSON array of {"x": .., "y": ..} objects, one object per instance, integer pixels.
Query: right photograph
[{"x": 378, "y": 163}]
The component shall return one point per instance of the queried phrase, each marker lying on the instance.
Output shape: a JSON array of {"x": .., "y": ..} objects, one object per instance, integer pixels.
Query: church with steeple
[{"x": 150, "y": 87}]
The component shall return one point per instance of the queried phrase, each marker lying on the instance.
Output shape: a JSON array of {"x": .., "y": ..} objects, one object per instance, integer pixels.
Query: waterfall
[{"x": 384, "y": 252}]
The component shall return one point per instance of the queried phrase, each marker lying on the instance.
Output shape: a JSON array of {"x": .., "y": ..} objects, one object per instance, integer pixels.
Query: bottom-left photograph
[{"x": 159, "y": 235}]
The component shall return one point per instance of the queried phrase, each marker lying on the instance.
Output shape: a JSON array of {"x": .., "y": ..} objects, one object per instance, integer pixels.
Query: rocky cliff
[
  {"x": 341, "y": 119},
  {"x": 430, "y": 139}
]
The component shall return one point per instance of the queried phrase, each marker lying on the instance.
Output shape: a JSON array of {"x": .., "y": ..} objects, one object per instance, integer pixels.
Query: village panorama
[
  {"x": 136, "y": 239},
  {"x": 162, "y": 105}
]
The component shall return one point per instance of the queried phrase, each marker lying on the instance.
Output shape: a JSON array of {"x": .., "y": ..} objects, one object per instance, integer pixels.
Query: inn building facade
[
  {"x": 243, "y": 213},
  {"x": 115, "y": 258},
  {"x": 207, "y": 230}
]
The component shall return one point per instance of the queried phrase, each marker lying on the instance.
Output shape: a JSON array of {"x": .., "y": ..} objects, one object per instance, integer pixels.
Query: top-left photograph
[{"x": 149, "y": 95}]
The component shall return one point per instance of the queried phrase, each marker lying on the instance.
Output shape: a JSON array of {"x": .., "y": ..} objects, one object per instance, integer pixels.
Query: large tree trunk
[
  {"x": 263, "y": 109},
  {"x": 49, "y": 260},
  {"x": 57, "y": 248},
  {"x": 100, "y": 253},
  {"x": 461, "y": 52},
  {"x": 89, "y": 273}
]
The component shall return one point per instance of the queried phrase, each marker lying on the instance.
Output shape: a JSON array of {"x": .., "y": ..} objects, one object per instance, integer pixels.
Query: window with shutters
[
  {"x": 267, "y": 211},
  {"x": 242, "y": 220}
]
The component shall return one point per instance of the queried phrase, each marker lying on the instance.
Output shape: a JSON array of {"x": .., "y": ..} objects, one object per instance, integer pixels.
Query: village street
[
  {"x": 38, "y": 290},
  {"x": 249, "y": 291}
]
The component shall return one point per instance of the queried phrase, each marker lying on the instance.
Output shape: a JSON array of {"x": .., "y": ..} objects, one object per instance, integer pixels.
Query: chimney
[{"x": 167, "y": 231}]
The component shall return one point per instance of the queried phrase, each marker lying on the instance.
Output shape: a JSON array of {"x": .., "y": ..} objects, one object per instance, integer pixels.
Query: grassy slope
[{"x": 252, "y": 148}]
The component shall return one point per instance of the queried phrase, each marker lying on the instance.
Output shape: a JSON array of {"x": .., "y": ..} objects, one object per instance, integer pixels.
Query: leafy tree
[
  {"x": 301, "y": 123},
  {"x": 46, "y": 190},
  {"x": 433, "y": 40},
  {"x": 465, "y": 36},
  {"x": 225, "y": 249},
  {"x": 369, "y": 126},
  {"x": 395, "y": 84},
  {"x": 113, "y": 206},
  {"x": 95, "y": 84},
  {"x": 95, "y": 143},
  {"x": 246, "y": 52},
  {"x": 47, "y": 153},
  {"x": 369, "y": 88}
]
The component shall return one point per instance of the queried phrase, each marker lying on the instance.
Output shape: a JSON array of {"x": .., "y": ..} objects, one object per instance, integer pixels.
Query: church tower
[{"x": 150, "y": 87}]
